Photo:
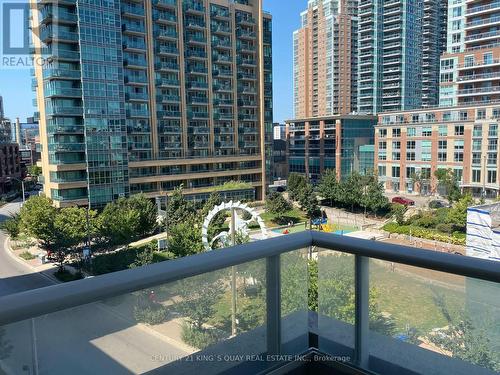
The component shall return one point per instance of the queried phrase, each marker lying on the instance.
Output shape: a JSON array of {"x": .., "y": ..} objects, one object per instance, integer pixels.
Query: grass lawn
[
  {"x": 411, "y": 301},
  {"x": 295, "y": 215}
]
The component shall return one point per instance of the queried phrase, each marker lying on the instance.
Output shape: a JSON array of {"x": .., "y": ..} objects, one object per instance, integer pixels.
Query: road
[{"x": 90, "y": 339}]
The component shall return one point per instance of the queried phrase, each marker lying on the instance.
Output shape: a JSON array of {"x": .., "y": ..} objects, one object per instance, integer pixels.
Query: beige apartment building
[
  {"x": 419, "y": 142},
  {"x": 325, "y": 59},
  {"x": 143, "y": 96}
]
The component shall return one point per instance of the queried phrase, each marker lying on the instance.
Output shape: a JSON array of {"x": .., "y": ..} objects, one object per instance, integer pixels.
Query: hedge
[{"x": 456, "y": 238}]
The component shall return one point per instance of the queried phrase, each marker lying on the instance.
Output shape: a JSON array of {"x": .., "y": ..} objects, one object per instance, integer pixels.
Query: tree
[
  {"x": 71, "y": 230},
  {"x": 398, "y": 211},
  {"x": 309, "y": 202},
  {"x": 278, "y": 206},
  {"x": 37, "y": 219},
  {"x": 295, "y": 184},
  {"x": 457, "y": 215},
  {"x": 178, "y": 208},
  {"x": 352, "y": 190},
  {"x": 373, "y": 197},
  {"x": 417, "y": 180},
  {"x": 34, "y": 170},
  {"x": 119, "y": 222},
  {"x": 144, "y": 256},
  {"x": 448, "y": 180},
  {"x": 12, "y": 225},
  {"x": 185, "y": 239},
  {"x": 147, "y": 214},
  {"x": 219, "y": 220},
  {"x": 463, "y": 339},
  {"x": 329, "y": 186}
]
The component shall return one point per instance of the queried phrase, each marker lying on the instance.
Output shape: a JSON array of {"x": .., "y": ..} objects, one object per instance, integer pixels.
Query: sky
[{"x": 15, "y": 85}]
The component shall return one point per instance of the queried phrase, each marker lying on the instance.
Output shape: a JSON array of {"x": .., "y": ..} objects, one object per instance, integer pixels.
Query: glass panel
[
  {"x": 184, "y": 326},
  {"x": 336, "y": 310},
  {"x": 294, "y": 302},
  {"x": 432, "y": 322}
]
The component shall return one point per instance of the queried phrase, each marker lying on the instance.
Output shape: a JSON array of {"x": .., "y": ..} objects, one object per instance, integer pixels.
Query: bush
[
  {"x": 112, "y": 262},
  {"x": 456, "y": 238},
  {"x": 426, "y": 221},
  {"x": 65, "y": 276},
  {"x": 12, "y": 226},
  {"x": 445, "y": 228},
  {"x": 199, "y": 338},
  {"x": 151, "y": 314},
  {"x": 26, "y": 255}
]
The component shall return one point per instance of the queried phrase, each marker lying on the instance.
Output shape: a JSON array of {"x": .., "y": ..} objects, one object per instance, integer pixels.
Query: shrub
[
  {"x": 445, "y": 228},
  {"x": 151, "y": 314},
  {"x": 456, "y": 238},
  {"x": 26, "y": 255},
  {"x": 426, "y": 221},
  {"x": 112, "y": 262},
  {"x": 199, "y": 338},
  {"x": 12, "y": 226},
  {"x": 65, "y": 276}
]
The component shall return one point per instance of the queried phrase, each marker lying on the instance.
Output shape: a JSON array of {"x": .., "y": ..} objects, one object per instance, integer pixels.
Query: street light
[{"x": 22, "y": 185}]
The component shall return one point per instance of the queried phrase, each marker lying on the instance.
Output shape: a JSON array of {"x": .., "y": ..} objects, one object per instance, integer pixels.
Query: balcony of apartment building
[
  {"x": 273, "y": 330},
  {"x": 482, "y": 8}
]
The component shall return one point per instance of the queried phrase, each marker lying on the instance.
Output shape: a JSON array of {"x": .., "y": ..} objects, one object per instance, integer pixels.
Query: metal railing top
[{"x": 36, "y": 302}]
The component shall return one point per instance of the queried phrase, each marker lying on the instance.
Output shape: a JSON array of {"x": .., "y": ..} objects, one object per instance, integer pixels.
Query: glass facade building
[
  {"x": 398, "y": 53},
  {"x": 141, "y": 96},
  {"x": 333, "y": 142}
]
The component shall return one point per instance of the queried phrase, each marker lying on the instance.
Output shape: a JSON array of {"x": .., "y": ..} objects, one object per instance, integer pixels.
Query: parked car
[
  {"x": 437, "y": 204},
  {"x": 403, "y": 201}
]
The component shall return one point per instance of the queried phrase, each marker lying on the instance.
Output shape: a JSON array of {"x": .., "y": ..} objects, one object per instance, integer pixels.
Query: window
[
  {"x": 458, "y": 157},
  {"x": 382, "y": 145},
  {"x": 492, "y": 159},
  {"x": 469, "y": 61},
  {"x": 476, "y": 158},
  {"x": 493, "y": 130},
  {"x": 476, "y": 175},
  {"x": 410, "y": 145},
  {"x": 382, "y": 170},
  {"x": 464, "y": 115},
  {"x": 382, "y": 155},
  {"x": 442, "y": 156},
  {"x": 481, "y": 114},
  {"x": 492, "y": 177},
  {"x": 410, "y": 156},
  {"x": 476, "y": 145},
  {"x": 478, "y": 131},
  {"x": 459, "y": 130},
  {"x": 456, "y": 38},
  {"x": 488, "y": 58},
  {"x": 382, "y": 133},
  {"x": 410, "y": 171},
  {"x": 443, "y": 130},
  {"x": 495, "y": 113},
  {"x": 426, "y": 132},
  {"x": 396, "y": 145},
  {"x": 411, "y": 132},
  {"x": 426, "y": 150},
  {"x": 396, "y": 132},
  {"x": 396, "y": 171},
  {"x": 443, "y": 145},
  {"x": 457, "y": 12},
  {"x": 492, "y": 144},
  {"x": 396, "y": 156}
]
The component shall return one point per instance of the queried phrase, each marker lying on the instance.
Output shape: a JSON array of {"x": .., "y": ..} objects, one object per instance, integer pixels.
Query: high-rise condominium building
[
  {"x": 470, "y": 70},
  {"x": 399, "y": 46},
  {"x": 325, "y": 59},
  {"x": 143, "y": 96}
]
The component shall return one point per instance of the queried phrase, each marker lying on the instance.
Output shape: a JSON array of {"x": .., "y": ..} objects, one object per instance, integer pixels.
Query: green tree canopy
[
  {"x": 448, "y": 180},
  {"x": 309, "y": 202},
  {"x": 296, "y": 182},
  {"x": 373, "y": 197},
  {"x": 278, "y": 206},
  {"x": 185, "y": 238},
  {"x": 457, "y": 215},
  {"x": 219, "y": 220},
  {"x": 352, "y": 190},
  {"x": 179, "y": 209},
  {"x": 37, "y": 219},
  {"x": 147, "y": 213},
  {"x": 329, "y": 187}
]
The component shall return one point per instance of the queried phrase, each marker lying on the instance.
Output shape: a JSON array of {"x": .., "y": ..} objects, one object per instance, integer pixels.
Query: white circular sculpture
[{"x": 241, "y": 225}]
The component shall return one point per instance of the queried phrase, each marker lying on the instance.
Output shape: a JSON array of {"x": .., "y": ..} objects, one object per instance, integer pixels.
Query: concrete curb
[{"x": 10, "y": 253}]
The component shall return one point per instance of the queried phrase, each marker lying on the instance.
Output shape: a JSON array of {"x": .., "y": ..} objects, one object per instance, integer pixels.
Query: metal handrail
[{"x": 36, "y": 302}]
